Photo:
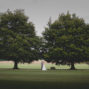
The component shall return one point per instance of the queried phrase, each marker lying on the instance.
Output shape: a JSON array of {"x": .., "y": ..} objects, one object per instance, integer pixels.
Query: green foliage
[
  {"x": 18, "y": 41},
  {"x": 67, "y": 40}
]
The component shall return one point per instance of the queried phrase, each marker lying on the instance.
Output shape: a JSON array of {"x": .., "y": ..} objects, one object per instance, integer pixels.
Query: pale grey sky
[{"x": 39, "y": 11}]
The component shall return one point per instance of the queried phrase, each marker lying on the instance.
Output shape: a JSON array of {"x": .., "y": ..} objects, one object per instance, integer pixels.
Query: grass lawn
[
  {"x": 38, "y": 66},
  {"x": 50, "y": 79},
  {"x": 29, "y": 76}
]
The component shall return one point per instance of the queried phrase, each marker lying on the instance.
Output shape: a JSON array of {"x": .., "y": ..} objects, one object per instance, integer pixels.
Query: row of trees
[{"x": 64, "y": 41}]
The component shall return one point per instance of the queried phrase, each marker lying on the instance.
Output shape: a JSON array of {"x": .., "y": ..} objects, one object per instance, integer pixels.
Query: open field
[
  {"x": 50, "y": 79},
  {"x": 29, "y": 76},
  {"x": 37, "y": 65}
]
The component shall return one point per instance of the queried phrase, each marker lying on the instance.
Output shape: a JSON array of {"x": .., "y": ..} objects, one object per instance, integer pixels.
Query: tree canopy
[
  {"x": 66, "y": 40},
  {"x": 18, "y": 40}
]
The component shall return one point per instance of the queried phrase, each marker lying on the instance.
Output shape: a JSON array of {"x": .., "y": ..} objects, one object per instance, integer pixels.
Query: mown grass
[
  {"x": 29, "y": 76},
  {"x": 38, "y": 66},
  {"x": 50, "y": 79}
]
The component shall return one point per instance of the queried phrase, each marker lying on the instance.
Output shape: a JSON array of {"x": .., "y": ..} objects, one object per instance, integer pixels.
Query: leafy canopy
[
  {"x": 18, "y": 40},
  {"x": 66, "y": 40}
]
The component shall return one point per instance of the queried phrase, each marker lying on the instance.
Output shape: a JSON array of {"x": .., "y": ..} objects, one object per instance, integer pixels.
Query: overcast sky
[{"x": 39, "y": 11}]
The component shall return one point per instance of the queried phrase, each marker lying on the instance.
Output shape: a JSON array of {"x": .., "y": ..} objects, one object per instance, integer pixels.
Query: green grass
[
  {"x": 37, "y": 79},
  {"x": 29, "y": 76},
  {"x": 38, "y": 66}
]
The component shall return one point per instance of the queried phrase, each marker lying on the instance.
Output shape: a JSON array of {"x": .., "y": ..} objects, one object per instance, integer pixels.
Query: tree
[
  {"x": 18, "y": 40},
  {"x": 65, "y": 40}
]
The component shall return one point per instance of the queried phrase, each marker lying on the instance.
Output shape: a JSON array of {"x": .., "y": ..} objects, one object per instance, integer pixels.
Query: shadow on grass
[{"x": 8, "y": 84}]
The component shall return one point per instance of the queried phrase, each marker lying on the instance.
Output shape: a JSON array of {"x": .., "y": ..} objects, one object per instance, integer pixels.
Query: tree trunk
[
  {"x": 72, "y": 66},
  {"x": 15, "y": 65}
]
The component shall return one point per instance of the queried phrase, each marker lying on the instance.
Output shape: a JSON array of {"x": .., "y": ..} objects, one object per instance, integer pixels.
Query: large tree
[
  {"x": 66, "y": 41},
  {"x": 18, "y": 40}
]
